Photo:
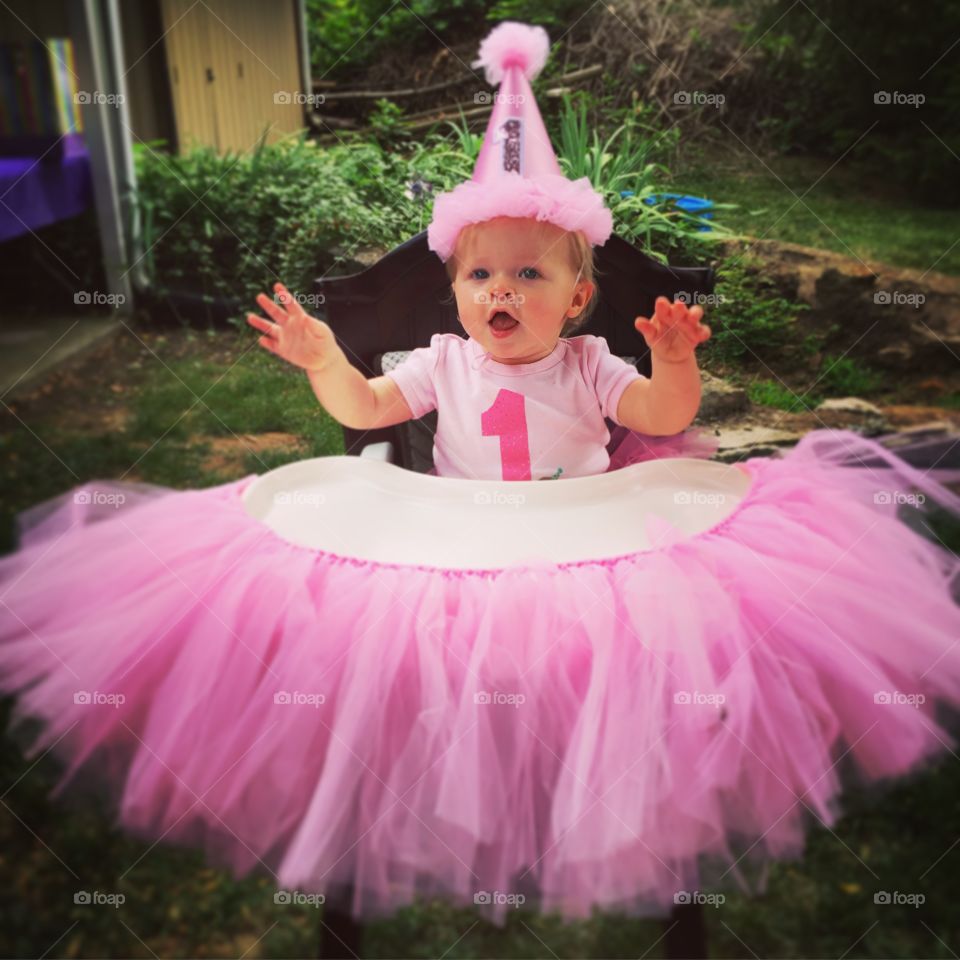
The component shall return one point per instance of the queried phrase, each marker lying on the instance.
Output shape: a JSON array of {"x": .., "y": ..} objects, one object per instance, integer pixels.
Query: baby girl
[{"x": 518, "y": 399}]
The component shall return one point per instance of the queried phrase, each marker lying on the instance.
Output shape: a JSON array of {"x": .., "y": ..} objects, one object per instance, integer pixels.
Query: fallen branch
[
  {"x": 574, "y": 75},
  {"x": 393, "y": 94}
]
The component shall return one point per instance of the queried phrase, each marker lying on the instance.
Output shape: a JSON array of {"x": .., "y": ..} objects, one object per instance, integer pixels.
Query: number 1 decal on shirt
[{"x": 507, "y": 420}]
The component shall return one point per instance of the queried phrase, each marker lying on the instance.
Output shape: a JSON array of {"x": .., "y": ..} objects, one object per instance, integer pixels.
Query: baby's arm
[
  {"x": 666, "y": 403},
  {"x": 356, "y": 402},
  {"x": 343, "y": 390}
]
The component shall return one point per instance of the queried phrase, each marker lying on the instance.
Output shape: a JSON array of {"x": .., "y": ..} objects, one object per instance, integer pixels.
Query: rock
[
  {"x": 850, "y": 405},
  {"x": 743, "y": 442},
  {"x": 720, "y": 399},
  {"x": 807, "y": 420},
  {"x": 895, "y": 355},
  {"x": 851, "y": 413},
  {"x": 883, "y": 315},
  {"x": 905, "y": 415}
]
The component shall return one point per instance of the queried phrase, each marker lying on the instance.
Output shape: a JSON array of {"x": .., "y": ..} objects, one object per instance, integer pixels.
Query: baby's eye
[
  {"x": 532, "y": 270},
  {"x": 474, "y": 272}
]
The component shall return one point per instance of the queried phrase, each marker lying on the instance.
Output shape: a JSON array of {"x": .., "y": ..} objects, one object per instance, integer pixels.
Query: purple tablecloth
[{"x": 35, "y": 193}]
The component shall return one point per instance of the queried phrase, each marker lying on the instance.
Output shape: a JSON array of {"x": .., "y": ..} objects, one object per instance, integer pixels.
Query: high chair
[{"x": 396, "y": 305}]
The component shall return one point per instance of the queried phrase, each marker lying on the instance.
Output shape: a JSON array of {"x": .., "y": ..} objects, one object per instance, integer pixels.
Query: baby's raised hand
[
  {"x": 675, "y": 330},
  {"x": 297, "y": 337}
]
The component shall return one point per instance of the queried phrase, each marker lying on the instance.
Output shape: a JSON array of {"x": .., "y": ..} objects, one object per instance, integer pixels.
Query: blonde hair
[{"x": 580, "y": 258}]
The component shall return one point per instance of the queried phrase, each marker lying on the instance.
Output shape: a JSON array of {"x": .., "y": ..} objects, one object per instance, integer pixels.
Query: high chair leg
[
  {"x": 686, "y": 934},
  {"x": 341, "y": 935},
  {"x": 686, "y": 937}
]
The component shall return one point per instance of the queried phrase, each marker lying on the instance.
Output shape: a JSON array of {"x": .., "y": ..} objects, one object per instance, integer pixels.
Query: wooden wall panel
[{"x": 253, "y": 51}]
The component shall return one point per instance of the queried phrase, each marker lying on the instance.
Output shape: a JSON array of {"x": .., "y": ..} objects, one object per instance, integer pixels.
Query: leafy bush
[
  {"x": 824, "y": 62},
  {"x": 387, "y": 121},
  {"x": 347, "y": 36},
  {"x": 847, "y": 377},
  {"x": 227, "y": 226},
  {"x": 773, "y": 393},
  {"x": 750, "y": 317}
]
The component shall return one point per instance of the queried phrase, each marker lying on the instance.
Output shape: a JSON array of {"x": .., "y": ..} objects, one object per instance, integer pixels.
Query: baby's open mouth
[{"x": 502, "y": 321}]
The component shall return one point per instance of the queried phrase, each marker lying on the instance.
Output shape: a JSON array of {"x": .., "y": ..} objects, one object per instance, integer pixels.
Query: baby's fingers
[
  {"x": 646, "y": 326},
  {"x": 265, "y": 325},
  {"x": 273, "y": 309},
  {"x": 700, "y": 331},
  {"x": 663, "y": 310},
  {"x": 288, "y": 300}
]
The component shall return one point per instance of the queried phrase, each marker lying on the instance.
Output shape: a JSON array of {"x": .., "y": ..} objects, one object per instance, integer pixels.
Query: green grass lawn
[
  {"x": 182, "y": 395},
  {"x": 802, "y": 200}
]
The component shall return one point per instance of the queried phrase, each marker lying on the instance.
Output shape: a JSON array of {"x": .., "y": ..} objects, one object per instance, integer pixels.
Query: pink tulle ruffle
[
  {"x": 602, "y": 734},
  {"x": 568, "y": 204}
]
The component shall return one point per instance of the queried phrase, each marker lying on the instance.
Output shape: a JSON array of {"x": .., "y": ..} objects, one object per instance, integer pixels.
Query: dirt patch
[
  {"x": 95, "y": 419},
  {"x": 228, "y": 454},
  {"x": 900, "y": 417}
]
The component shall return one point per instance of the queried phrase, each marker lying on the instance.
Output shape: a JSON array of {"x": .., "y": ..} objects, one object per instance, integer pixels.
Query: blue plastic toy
[{"x": 698, "y": 206}]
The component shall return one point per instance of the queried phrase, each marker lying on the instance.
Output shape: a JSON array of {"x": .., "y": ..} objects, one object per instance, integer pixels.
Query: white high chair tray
[{"x": 373, "y": 510}]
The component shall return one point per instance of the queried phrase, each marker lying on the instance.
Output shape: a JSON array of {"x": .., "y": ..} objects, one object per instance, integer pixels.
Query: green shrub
[
  {"x": 773, "y": 393},
  {"x": 626, "y": 167},
  {"x": 228, "y": 226},
  {"x": 348, "y": 37},
  {"x": 750, "y": 318},
  {"x": 387, "y": 121},
  {"x": 822, "y": 64},
  {"x": 847, "y": 377}
]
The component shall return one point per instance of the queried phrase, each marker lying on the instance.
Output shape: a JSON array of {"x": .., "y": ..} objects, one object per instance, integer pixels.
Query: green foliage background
[{"x": 825, "y": 59}]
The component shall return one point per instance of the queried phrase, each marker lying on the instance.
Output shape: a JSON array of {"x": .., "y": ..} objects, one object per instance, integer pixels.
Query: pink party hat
[{"x": 517, "y": 173}]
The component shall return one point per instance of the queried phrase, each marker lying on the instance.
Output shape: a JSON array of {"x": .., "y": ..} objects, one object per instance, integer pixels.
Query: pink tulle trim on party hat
[{"x": 568, "y": 204}]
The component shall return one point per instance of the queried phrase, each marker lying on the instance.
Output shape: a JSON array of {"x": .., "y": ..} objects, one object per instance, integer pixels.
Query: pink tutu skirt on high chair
[{"x": 603, "y": 734}]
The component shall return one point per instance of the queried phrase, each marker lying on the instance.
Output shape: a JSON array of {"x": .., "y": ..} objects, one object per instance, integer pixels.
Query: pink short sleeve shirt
[{"x": 499, "y": 421}]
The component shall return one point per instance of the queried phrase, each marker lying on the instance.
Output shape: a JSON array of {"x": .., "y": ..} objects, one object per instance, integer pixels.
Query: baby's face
[{"x": 522, "y": 267}]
